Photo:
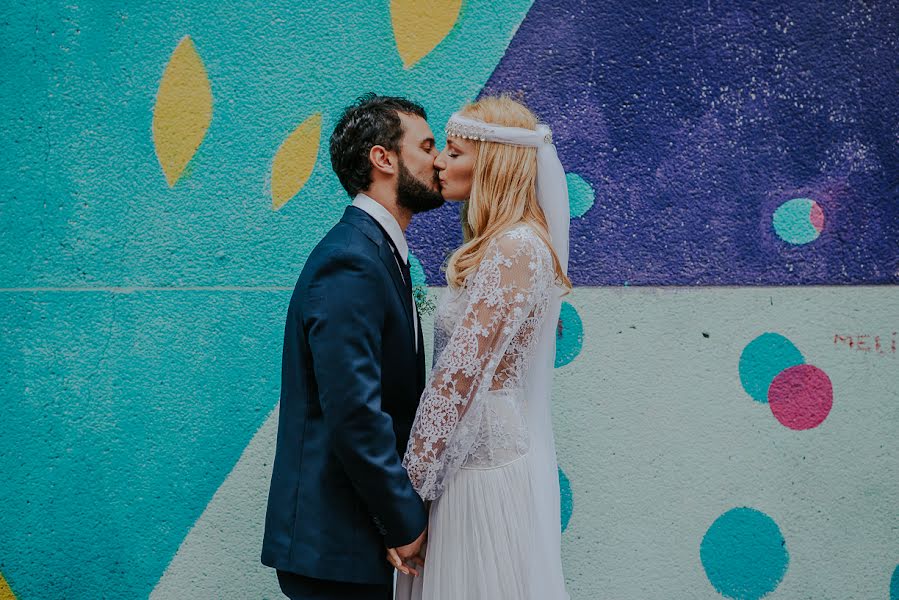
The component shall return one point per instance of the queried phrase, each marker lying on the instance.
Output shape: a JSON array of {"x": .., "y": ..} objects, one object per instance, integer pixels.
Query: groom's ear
[{"x": 383, "y": 160}]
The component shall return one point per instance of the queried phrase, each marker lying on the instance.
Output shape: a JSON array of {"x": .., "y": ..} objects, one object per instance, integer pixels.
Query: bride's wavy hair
[{"x": 503, "y": 190}]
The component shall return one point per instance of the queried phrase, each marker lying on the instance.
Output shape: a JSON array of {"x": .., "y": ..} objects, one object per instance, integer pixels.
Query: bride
[{"x": 481, "y": 449}]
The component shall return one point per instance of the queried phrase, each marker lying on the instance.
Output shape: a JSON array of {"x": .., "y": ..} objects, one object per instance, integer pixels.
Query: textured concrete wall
[{"x": 165, "y": 175}]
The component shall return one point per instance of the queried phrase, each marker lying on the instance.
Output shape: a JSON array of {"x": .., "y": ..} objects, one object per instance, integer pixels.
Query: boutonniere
[{"x": 423, "y": 301}]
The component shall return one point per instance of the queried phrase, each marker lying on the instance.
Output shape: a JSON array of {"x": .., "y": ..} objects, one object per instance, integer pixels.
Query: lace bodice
[{"x": 471, "y": 414}]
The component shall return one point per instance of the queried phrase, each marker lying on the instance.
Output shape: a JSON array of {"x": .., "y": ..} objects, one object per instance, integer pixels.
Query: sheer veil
[{"x": 552, "y": 192}]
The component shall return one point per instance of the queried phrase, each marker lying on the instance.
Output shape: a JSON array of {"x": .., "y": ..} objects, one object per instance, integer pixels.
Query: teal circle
[
  {"x": 580, "y": 195},
  {"x": 744, "y": 554},
  {"x": 418, "y": 271},
  {"x": 792, "y": 221},
  {"x": 894, "y": 584},
  {"x": 567, "y": 498},
  {"x": 763, "y": 359},
  {"x": 569, "y": 335}
]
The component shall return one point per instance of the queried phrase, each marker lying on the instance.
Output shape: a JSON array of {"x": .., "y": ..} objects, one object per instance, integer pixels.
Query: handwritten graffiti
[{"x": 867, "y": 343}]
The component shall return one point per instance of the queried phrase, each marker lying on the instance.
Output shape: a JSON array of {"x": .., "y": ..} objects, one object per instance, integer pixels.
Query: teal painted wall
[
  {"x": 138, "y": 364},
  {"x": 141, "y": 326}
]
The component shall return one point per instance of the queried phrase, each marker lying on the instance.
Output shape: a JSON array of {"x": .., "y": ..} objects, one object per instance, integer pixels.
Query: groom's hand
[{"x": 410, "y": 553}]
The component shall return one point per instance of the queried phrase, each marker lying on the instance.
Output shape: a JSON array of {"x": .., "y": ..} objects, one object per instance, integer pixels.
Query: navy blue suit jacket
[{"x": 351, "y": 381}]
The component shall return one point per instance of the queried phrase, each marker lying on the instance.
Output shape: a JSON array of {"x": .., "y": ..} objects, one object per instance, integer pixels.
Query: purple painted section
[{"x": 695, "y": 121}]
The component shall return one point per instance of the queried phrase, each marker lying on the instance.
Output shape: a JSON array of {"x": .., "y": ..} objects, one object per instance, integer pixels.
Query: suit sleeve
[{"x": 344, "y": 315}]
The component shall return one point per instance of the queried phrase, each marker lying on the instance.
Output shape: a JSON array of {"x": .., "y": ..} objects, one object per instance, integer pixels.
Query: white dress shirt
[{"x": 393, "y": 229}]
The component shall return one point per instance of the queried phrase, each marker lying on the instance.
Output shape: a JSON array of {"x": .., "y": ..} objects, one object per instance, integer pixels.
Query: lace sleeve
[{"x": 502, "y": 293}]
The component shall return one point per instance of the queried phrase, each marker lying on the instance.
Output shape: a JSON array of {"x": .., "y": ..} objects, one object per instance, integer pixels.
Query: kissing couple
[{"x": 452, "y": 476}]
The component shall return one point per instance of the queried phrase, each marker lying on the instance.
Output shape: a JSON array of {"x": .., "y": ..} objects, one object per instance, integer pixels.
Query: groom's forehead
[{"x": 415, "y": 129}]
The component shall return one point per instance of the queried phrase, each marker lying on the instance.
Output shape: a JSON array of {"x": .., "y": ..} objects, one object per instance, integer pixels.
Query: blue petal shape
[
  {"x": 763, "y": 359},
  {"x": 567, "y": 498},
  {"x": 744, "y": 554},
  {"x": 580, "y": 195},
  {"x": 792, "y": 222},
  {"x": 569, "y": 335}
]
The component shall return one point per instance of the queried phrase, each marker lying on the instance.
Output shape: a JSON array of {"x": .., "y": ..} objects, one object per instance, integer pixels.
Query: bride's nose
[{"x": 439, "y": 163}]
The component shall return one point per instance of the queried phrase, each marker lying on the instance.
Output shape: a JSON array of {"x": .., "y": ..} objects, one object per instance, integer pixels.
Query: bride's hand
[{"x": 394, "y": 559}]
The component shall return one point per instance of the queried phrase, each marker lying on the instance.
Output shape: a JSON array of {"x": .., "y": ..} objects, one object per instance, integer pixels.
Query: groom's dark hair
[{"x": 370, "y": 121}]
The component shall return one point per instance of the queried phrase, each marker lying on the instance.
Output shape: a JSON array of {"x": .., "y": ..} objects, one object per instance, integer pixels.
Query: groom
[{"x": 353, "y": 371}]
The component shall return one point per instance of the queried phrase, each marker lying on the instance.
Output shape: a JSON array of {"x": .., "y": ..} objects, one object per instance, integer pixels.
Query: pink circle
[
  {"x": 816, "y": 216},
  {"x": 801, "y": 397}
]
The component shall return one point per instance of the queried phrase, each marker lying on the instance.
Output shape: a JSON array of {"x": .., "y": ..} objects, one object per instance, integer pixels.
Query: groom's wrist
[{"x": 408, "y": 527}]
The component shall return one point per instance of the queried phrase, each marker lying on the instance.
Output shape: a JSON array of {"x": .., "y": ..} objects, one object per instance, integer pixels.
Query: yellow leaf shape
[
  {"x": 295, "y": 160},
  {"x": 183, "y": 110},
  {"x": 419, "y": 25},
  {"x": 5, "y": 592}
]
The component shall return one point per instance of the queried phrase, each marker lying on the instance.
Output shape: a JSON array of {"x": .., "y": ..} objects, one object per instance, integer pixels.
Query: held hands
[{"x": 404, "y": 558}]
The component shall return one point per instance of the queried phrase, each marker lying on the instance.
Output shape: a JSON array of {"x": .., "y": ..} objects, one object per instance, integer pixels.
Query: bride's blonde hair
[{"x": 503, "y": 190}]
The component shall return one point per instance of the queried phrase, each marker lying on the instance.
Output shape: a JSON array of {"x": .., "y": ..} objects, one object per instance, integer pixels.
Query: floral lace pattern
[{"x": 471, "y": 414}]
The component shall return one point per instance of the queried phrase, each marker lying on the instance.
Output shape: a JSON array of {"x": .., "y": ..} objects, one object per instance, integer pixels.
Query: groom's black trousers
[{"x": 298, "y": 587}]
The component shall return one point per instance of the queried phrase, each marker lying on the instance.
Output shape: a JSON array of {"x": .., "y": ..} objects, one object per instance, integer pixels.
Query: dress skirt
[{"x": 480, "y": 542}]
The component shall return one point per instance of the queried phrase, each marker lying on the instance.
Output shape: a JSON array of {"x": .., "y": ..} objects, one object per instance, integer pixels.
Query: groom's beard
[{"x": 413, "y": 194}]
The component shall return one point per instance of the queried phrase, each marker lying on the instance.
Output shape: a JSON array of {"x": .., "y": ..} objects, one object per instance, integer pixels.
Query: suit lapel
[{"x": 367, "y": 225}]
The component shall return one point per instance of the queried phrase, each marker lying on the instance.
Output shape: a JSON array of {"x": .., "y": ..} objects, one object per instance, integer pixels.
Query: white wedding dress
[{"x": 482, "y": 447}]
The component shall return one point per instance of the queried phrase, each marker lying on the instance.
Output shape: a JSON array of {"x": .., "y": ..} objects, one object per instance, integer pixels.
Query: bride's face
[{"x": 455, "y": 166}]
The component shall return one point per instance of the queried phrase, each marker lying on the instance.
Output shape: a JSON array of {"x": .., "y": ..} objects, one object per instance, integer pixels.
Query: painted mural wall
[{"x": 727, "y": 383}]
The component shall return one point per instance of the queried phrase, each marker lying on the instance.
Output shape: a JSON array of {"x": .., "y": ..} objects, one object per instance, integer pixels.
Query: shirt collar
[{"x": 386, "y": 220}]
